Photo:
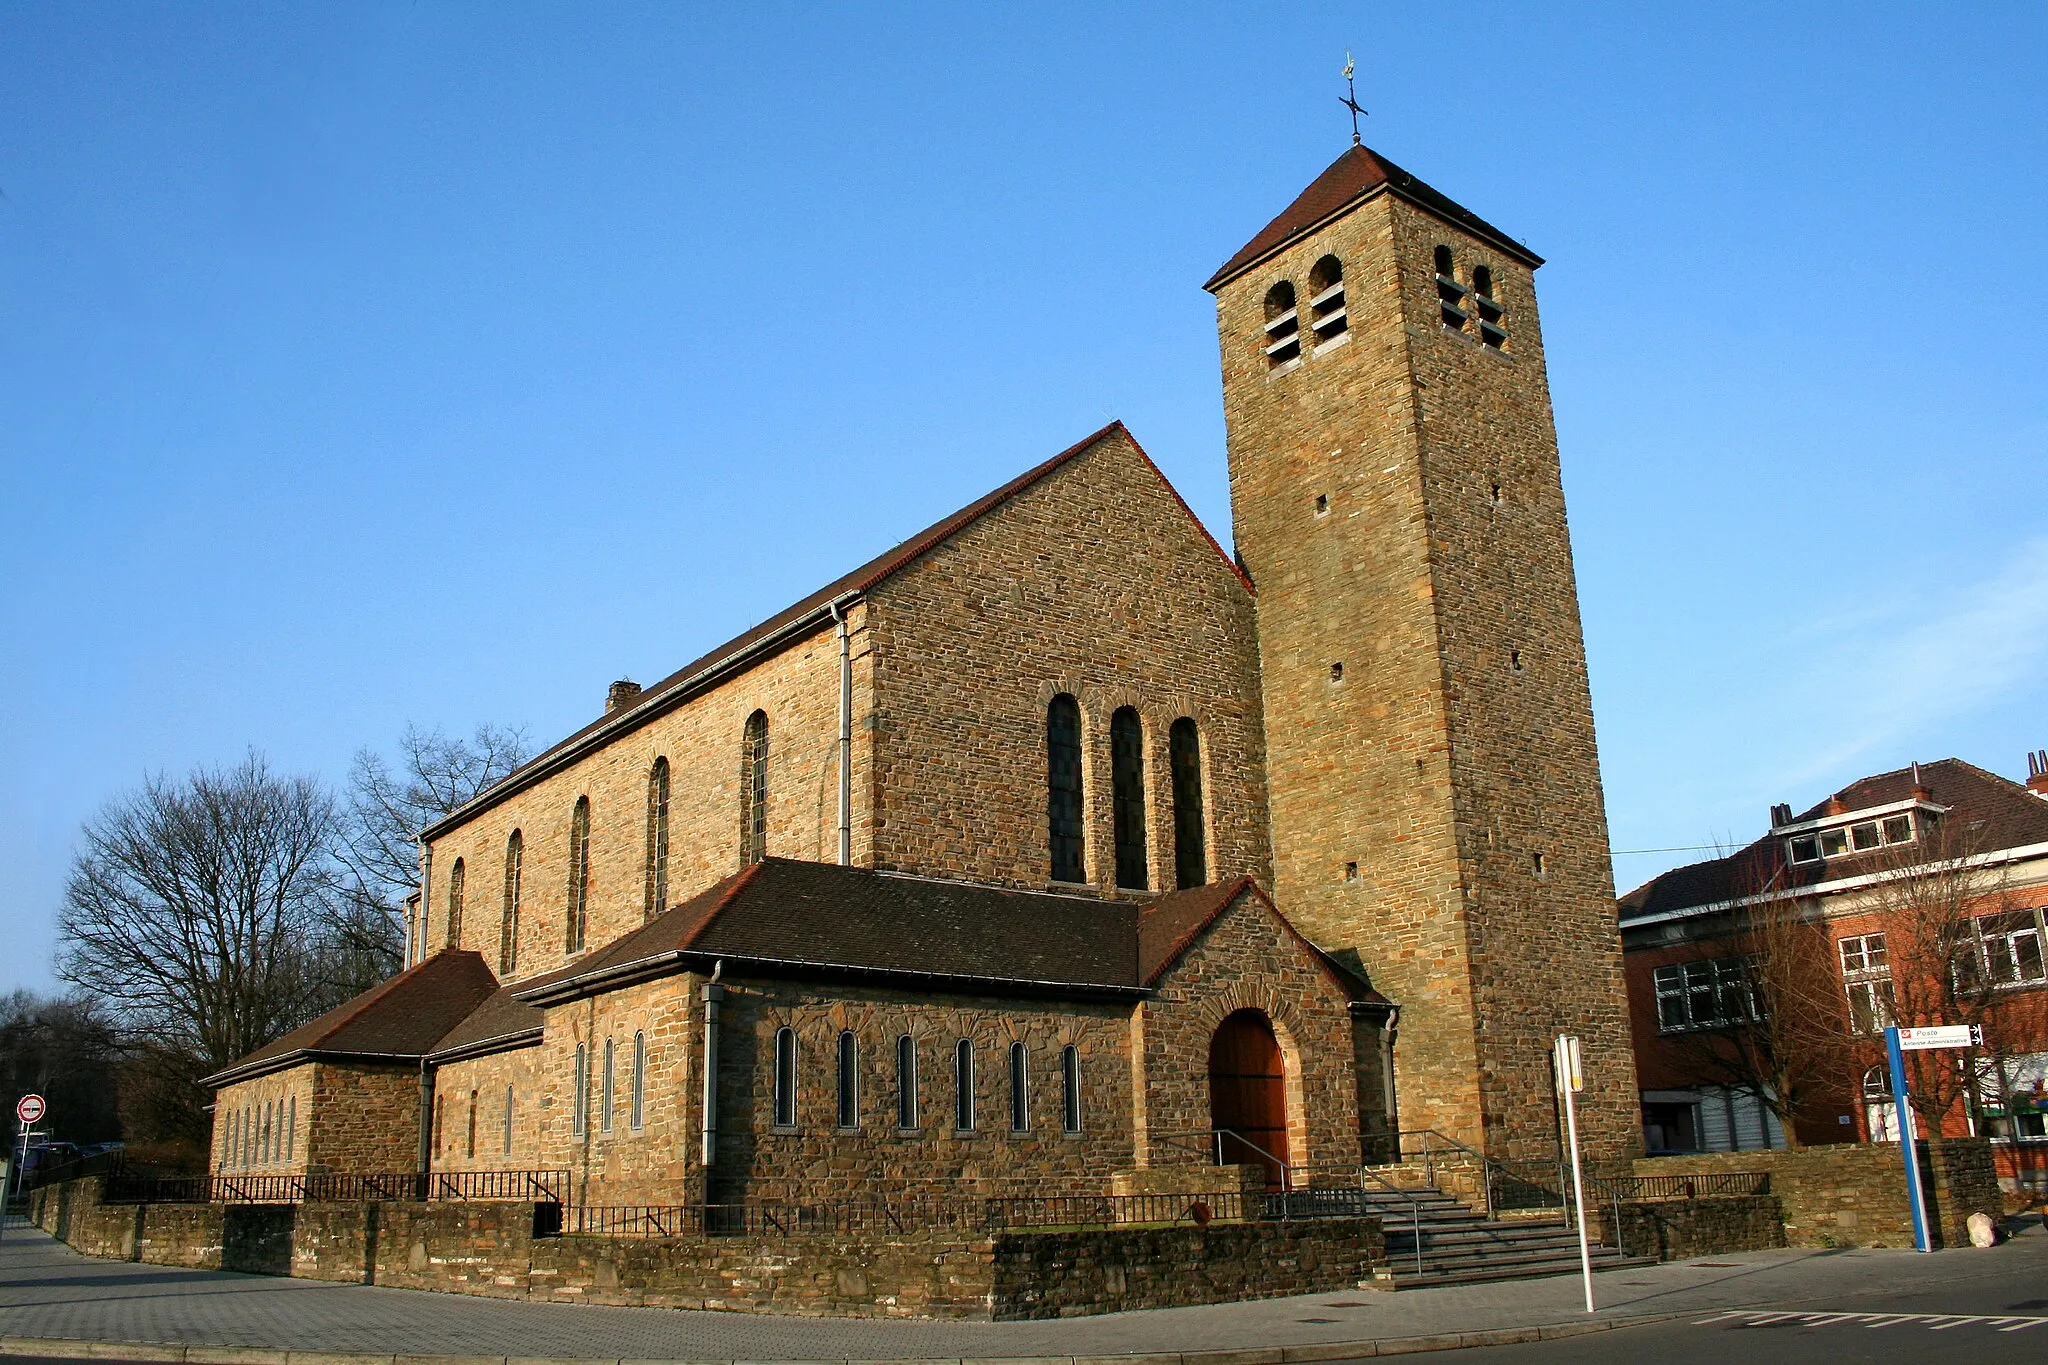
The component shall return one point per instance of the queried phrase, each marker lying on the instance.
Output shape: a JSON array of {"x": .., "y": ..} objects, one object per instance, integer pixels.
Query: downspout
[
  {"x": 1387, "y": 1032},
  {"x": 845, "y": 738},
  {"x": 418, "y": 953},
  {"x": 713, "y": 994},
  {"x": 426, "y": 1162}
]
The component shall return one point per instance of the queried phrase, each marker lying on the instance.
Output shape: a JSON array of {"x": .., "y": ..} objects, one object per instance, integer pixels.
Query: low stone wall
[
  {"x": 490, "y": 1250},
  {"x": 1854, "y": 1194},
  {"x": 1678, "y": 1229}
]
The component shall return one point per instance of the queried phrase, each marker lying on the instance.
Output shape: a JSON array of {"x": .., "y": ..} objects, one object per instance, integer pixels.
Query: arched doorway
[{"x": 1248, "y": 1094}]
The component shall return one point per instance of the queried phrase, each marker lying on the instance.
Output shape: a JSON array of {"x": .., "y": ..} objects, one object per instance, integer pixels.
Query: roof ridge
[{"x": 383, "y": 988}]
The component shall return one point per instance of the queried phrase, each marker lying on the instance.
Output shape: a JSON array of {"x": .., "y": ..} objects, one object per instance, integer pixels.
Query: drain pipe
[
  {"x": 713, "y": 994},
  {"x": 845, "y": 738}
]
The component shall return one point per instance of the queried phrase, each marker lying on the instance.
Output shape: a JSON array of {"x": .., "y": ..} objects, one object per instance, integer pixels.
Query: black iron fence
[
  {"x": 340, "y": 1188},
  {"x": 1660, "y": 1188}
]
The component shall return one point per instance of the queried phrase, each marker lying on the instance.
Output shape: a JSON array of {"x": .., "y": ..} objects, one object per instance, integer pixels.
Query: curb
[{"x": 71, "y": 1349}]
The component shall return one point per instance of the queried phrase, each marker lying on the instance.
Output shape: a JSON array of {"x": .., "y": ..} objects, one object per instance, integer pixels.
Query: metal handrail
[
  {"x": 1213, "y": 1139},
  {"x": 1365, "y": 1173},
  {"x": 1488, "y": 1169}
]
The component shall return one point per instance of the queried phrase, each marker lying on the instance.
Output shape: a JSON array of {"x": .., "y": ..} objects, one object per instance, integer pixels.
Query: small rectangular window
[
  {"x": 1898, "y": 829},
  {"x": 1834, "y": 843},
  {"x": 1865, "y": 836},
  {"x": 1804, "y": 848}
]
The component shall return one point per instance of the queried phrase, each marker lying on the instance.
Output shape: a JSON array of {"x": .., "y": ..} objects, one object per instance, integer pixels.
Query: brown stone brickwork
[{"x": 1412, "y": 798}]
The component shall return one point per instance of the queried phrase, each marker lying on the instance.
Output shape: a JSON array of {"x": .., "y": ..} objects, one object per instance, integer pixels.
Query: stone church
[{"x": 1059, "y": 843}]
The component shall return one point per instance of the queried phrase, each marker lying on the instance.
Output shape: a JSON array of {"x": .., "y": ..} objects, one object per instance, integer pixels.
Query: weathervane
[{"x": 1350, "y": 99}]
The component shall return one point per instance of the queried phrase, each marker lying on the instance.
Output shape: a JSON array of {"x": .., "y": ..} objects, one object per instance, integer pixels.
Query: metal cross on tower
[{"x": 1350, "y": 99}]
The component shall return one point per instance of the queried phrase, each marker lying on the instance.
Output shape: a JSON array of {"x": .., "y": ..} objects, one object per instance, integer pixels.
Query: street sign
[
  {"x": 1571, "y": 1079},
  {"x": 1570, "y": 1074},
  {"x": 29, "y": 1108},
  {"x": 1942, "y": 1035}
]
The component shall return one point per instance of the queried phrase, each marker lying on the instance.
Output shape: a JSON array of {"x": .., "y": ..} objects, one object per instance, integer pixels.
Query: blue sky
[{"x": 371, "y": 364}]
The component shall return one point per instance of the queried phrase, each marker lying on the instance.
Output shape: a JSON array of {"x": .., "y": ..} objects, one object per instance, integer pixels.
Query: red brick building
[{"x": 1921, "y": 894}]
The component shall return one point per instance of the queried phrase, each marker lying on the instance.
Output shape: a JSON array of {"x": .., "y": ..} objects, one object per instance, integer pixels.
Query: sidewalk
[{"x": 53, "y": 1301}]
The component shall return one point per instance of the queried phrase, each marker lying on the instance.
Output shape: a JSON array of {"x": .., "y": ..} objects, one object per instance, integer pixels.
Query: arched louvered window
[
  {"x": 785, "y": 1078},
  {"x": 1450, "y": 295},
  {"x": 1327, "y": 316},
  {"x": 657, "y": 838},
  {"x": 906, "y": 1082},
  {"x": 508, "y": 925},
  {"x": 1127, "y": 789},
  {"x": 754, "y": 790},
  {"x": 1282, "y": 335},
  {"x": 1020, "y": 1089},
  {"x": 1063, "y": 787},
  {"x": 1070, "y": 1088},
  {"x": 1492, "y": 317},
  {"x": 579, "y": 874},
  {"x": 1190, "y": 856},
  {"x": 849, "y": 1080},
  {"x": 963, "y": 1086},
  {"x": 456, "y": 876}
]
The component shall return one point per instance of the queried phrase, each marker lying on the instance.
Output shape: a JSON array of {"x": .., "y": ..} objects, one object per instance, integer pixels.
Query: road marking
[{"x": 1933, "y": 1322}]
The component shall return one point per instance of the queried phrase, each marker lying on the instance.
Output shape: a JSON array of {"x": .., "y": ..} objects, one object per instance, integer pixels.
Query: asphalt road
[{"x": 1998, "y": 1316}]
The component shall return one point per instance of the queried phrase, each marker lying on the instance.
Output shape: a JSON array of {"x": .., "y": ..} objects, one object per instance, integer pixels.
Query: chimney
[
  {"x": 1781, "y": 814},
  {"x": 1920, "y": 792},
  {"x": 621, "y": 695},
  {"x": 2037, "y": 773},
  {"x": 1835, "y": 805}
]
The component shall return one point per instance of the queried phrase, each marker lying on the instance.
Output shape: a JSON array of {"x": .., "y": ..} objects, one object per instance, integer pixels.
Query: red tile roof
[
  {"x": 1987, "y": 813},
  {"x": 1353, "y": 177},
  {"x": 401, "y": 1019}
]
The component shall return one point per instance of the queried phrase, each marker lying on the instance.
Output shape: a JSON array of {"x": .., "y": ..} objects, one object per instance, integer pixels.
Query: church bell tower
[{"x": 1435, "y": 789}]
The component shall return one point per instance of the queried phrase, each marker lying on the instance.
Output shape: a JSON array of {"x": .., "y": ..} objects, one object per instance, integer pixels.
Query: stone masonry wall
[
  {"x": 1677, "y": 1229},
  {"x": 1854, "y": 1194},
  {"x": 363, "y": 1119},
  {"x": 260, "y": 1125},
  {"x": 475, "y": 1098},
  {"x": 798, "y": 688},
  {"x": 1097, "y": 582},
  {"x": 1412, "y": 793},
  {"x": 489, "y": 1250}
]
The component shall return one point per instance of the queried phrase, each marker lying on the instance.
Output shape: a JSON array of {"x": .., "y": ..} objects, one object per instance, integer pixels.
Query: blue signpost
[{"x": 1897, "y": 1043}]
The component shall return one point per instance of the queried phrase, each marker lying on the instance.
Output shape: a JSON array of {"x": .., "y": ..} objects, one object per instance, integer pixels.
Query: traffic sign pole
[
  {"x": 1570, "y": 1080},
  {"x": 1908, "y": 1146}
]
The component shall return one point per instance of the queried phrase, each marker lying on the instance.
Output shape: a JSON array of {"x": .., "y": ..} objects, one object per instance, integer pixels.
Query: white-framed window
[
  {"x": 1861, "y": 836},
  {"x": 2007, "y": 952},
  {"x": 1880, "y": 1115},
  {"x": 1867, "y": 980},
  {"x": 1713, "y": 993}
]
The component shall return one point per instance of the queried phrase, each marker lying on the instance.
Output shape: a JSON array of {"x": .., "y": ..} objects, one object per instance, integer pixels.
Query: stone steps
[{"x": 1462, "y": 1246}]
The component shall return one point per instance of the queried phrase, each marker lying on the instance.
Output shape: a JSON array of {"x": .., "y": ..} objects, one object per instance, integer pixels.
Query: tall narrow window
[
  {"x": 263, "y": 1134},
  {"x": 1450, "y": 295},
  {"x": 639, "y": 1078},
  {"x": 469, "y": 1142},
  {"x": 1127, "y": 787},
  {"x": 1327, "y": 317},
  {"x": 604, "y": 1092},
  {"x": 963, "y": 1086},
  {"x": 508, "y": 1120},
  {"x": 754, "y": 790},
  {"x": 1492, "y": 317},
  {"x": 906, "y": 1082},
  {"x": 1282, "y": 334},
  {"x": 508, "y": 926},
  {"x": 291, "y": 1126},
  {"x": 849, "y": 1080},
  {"x": 785, "y": 1078},
  {"x": 1020, "y": 1092},
  {"x": 440, "y": 1121},
  {"x": 657, "y": 838},
  {"x": 1063, "y": 787},
  {"x": 579, "y": 874},
  {"x": 1190, "y": 854},
  {"x": 456, "y": 877},
  {"x": 579, "y": 1107},
  {"x": 1070, "y": 1088}
]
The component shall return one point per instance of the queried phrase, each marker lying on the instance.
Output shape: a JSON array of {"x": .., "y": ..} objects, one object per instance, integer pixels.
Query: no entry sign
[{"x": 29, "y": 1108}]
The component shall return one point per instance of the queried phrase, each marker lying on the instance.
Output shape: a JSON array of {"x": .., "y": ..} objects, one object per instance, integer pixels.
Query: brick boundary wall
[
  {"x": 1854, "y": 1194},
  {"x": 489, "y": 1250}
]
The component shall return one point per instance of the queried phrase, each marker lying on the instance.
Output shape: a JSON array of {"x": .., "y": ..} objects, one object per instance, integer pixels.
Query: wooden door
[{"x": 1248, "y": 1094}]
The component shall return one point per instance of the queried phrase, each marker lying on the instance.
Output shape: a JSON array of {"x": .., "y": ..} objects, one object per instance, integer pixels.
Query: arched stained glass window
[
  {"x": 657, "y": 838},
  {"x": 579, "y": 874},
  {"x": 456, "y": 877},
  {"x": 508, "y": 925},
  {"x": 754, "y": 790},
  {"x": 1063, "y": 787},
  {"x": 1190, "y": 856},
  {"x": 1127, "y": 785}
]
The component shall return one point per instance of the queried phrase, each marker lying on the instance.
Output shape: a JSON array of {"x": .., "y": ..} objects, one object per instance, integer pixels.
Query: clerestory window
[
  {"x": 508, "y": 924},
  {"x": 754, "y": 789},
  {"x": 1127, "y": 789},
  {"x": 456, "y": 877},
  {"x": 578, "y": 903},
  {"x": 657, "y": 838},
  {"x": 1063, "y": 787},
  {"x": 1190, "y": 857}
]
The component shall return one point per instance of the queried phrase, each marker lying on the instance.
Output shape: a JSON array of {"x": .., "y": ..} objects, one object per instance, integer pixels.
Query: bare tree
[
  {"x": 1779, "y": 1031},
  {"x": 63, "y": 1048},
  {"x": 388, "y": 806},
  {"x": 197, "y": 911}
]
